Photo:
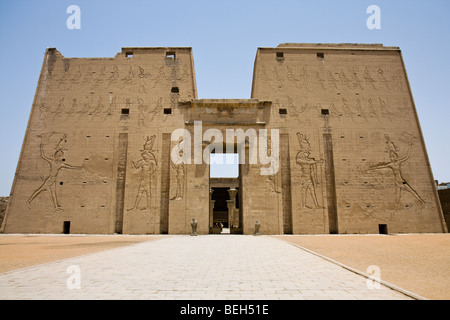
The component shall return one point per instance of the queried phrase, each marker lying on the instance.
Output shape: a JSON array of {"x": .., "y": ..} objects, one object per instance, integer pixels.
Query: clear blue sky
[{"x": 224, "y": 36}]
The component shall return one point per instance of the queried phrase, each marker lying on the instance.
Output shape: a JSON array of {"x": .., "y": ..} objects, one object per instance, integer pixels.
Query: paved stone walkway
[{"x": 194, "y": 268}]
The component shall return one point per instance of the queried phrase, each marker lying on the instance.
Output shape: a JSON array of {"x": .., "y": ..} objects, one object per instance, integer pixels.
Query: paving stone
[{"x": 203, "y": 267}]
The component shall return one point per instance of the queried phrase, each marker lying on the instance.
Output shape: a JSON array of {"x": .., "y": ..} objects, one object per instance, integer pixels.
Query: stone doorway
[{"x": 224, "y": 207}]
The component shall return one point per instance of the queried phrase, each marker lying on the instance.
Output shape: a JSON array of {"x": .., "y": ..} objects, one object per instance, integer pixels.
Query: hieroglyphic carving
[
  {"x": 129, "y": 78},
  {"x": 333, "y": 110},
  {"x": 300, "y": 81},
  {"x": 332, "y": 81},
  {"x": 368, "y": 78},
  {"x": 99, "y": 108},
  {"x": 319, "y": 80},
  {"x": 59, "y": 110},
  {"x": 185, "y": 75},
  {"x": 359, "y": 109},
  {"x": 114, "y": 76},
  {"x": 345, "y": 81},
  {"x": 142, "y": 113},
  {"x": 278, "y": 78},
  {"x": 346, "y": 108},
  {"x": 305, "y": 76},
  {"x": 395, "y": 166},
  {"x": 66, "y": 74},
  {"x": 88, "y": 75},
  {"x": 142, "y": 76},
  {"x": 372, "y": 111},
  {"x": 112, "y": 106},
  {"x": 308, "y": 172},
  {"x": 86, "y": 107},
  {"x": 159, "y": 77},
  {"x": 337, "y": 80},
  {"x": 398, "y": 79},
  {"x": 42, "y": 111},
  {"x": 56, "y": 163},
  {"x": 100, "y": 77},
  {"x": 356, "y": 82},
  {"x": 291, "y": 76},
  {"x": 74, "y": 109},
  {"x": 146, "y": 168},
  {"x": 383, "y": 108},
  {"x": 292, "y": 108},
  {"x": 382, "y": 79}
]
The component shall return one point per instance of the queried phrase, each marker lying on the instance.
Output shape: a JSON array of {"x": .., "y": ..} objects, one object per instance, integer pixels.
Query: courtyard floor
[{"x": 410, "y": 266}]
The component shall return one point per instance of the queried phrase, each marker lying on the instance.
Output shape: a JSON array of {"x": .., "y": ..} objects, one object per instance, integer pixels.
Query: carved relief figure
[
  {"x": 73, "y": 111},
  {"x": 345, "y": 81},
  {"x": 59, "y": 110},
  {"x": 346, "y": 108},
  {"x": 274, "y": 177},
  {"x": 43, "y": 111},
  {"x": 178, "y": 168},
  {"x": 277, "y": 76},
  {"x": 291, "y": 76},
  {"x": 114, "y": 75},
  {"x": 397, "y": 77},
  {"x": 99, "y": 107},
  {"x": 382, "y": 79},
  {"x": 395, "y": 166},
  {"x": 157, "y": 109},
  {"x": 142, "y": 113},
  {"x": 304, "y": 76},
  {"x": 319, "y": 80},
  {"x": 141, "y": 77},
  {"x": 384, "y": 109},
  {"x": 129, "y": 78},
  {"x": 159, "y": 77},
  {"x": 308, "y": 171},
  {"x": 332, "y": 80},
  {"x": 359, "y": 108},
  {"x": 100, "y": 77},
  {"x": 86, "y": 107},
  {"x": 292, "y": 107},
  {"x": 372, "y": 111},
  {"x": 146, "y": 167},
  {"x": 369, "y": 80},
  {"x": 356, "y": 81},
  {"x": 112, "y": 106},
  {"x": 56, "y": 162}
]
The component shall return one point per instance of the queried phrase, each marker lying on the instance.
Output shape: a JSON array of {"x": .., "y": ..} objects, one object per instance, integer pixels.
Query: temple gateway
[{"x": 328, "y": 142}]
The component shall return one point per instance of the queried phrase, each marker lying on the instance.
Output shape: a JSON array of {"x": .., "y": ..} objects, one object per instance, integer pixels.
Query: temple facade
[{"x": 328, "y": 142}]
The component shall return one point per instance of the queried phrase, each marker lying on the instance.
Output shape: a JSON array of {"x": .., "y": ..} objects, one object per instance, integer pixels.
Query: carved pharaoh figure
[
  {"x": 308, "y": 172},
  {"x": 178, "y": 167},
  {"x": 395, "y": 166},
  {"x": 146, "y": 169},
  {"x": 56, "y": 163},
  {"x": 274, "y": 176}
]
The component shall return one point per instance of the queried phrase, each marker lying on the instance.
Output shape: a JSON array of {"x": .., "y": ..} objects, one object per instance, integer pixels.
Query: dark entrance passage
[
  {"x": 66, "y": 227},
  {"x": 220, "y": 210},
  {"x": 225, "y": 211}
]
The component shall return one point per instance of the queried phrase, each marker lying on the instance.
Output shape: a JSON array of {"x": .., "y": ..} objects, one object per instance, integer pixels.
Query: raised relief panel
[
  {"x": 145, "y": 176},
  {"x": 52, "y": 148}
]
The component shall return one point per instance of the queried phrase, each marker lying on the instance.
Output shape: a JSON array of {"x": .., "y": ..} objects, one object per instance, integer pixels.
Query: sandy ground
[
  {"x": 19, "y": 251},
  {"x": 419, "y": 263}
]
